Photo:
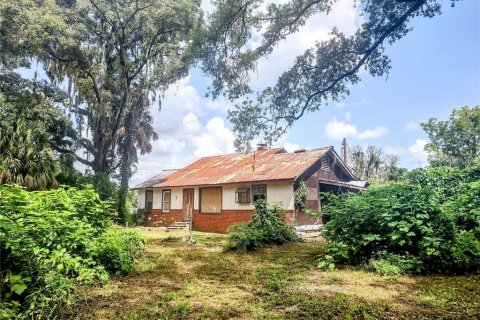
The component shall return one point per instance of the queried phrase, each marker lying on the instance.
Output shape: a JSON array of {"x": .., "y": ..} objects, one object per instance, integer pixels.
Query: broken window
[
  {"x": 211, "y": 200},
  {"x": 242, "y": 195},
  {"x": 167, "y": 200},
  {"x": 148, "y": 200},
  {"x": 259, "y": 192}
]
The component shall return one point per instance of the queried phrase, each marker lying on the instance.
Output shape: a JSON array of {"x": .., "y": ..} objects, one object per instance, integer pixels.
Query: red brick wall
[
  {"x": 203, "y": 221},
  {"x": 157, "y": 218},
  {"x": 220, "y": 222}
]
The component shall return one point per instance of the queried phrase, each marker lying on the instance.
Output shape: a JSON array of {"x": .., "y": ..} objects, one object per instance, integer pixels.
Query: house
[{"x": 221, "y": 190}]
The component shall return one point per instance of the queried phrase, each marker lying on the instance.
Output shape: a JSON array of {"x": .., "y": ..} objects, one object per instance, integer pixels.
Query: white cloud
[
  {"x": 412, "y": 125},
  {"x": 291, "y": 147},
  {"x": 340, "y": 129},
  {"x": 418, "y": 153},
  {"x": 372, "y": 133},
  {"x": 217, "y": 139}
]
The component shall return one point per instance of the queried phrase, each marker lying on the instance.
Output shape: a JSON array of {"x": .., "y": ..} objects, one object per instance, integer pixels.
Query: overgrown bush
[
  {"x": 268, "y": 226},
  {"x": 47, "y": 245},
  {"x": 430, "y": 223},
  {"x": 117, "y": 250}
]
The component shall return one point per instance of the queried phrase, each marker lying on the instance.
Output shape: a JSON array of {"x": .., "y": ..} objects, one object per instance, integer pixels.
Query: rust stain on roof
[{"x": 264, "y": 165}]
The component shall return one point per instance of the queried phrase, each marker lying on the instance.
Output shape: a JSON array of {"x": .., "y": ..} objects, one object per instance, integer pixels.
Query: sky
[{"x": 435, "y": 68}]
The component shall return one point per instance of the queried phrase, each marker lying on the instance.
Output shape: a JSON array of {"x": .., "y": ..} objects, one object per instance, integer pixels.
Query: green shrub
[
  {"x": 116, "y": 250},
  {"x": 46, "y": 246},
  {"x": 383, "y": 267},
  {"x": 429, "y": 223},
  {"x": 267, "y": 227}
]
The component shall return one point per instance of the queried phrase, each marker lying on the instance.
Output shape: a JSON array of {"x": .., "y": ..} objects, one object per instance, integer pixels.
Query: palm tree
[{"x": 26, "y": 157}]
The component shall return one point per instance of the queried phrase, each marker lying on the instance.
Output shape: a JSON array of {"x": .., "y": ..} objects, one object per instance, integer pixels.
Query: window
[
  {"x": 211, "y": 200},
  {"x": 259, "y": 192},
  {"x": 242, "y": 195},
  {"x": 167, "y": 199},
  {"x": 148, "y": 200}
]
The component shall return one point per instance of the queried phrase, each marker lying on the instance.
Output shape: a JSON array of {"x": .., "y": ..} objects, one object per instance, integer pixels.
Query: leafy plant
[
  {"x": 430, "y": 223},
  {"x": 267, "y": 227},
  {"x": 47, "y": 245}
]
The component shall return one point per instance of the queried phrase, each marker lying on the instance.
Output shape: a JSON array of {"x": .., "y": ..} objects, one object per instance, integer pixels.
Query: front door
[{"x": 187, "y": 204}]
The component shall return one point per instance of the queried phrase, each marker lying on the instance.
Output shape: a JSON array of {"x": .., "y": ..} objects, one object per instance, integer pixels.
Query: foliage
[
  {"x": 36, "y": 139},
  {"x": 117, "y": 58},
  {"x": 373, "y": 164},
  {"x": 430, "y": 223},
  {"x": 47, "y": 241},
  {"x": 116, "y": 251},
  {"x": 456, "y": 141},
  {"x": 301, "y": 196},
  {"x": 268, "y": 226},
  {"x": 322, "y": 74}
]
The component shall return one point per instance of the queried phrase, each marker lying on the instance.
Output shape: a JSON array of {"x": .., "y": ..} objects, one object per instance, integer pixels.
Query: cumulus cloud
[
  {"x": 373, "y": 133},
  {"x": 339, "y": 129},
  {"x": 291, "y": 147},
  {"x": 215, "y": 140},
  {"x": 418, "y": 153}
]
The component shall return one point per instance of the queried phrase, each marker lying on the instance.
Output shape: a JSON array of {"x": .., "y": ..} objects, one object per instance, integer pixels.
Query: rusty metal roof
[
  {"x": 155, "y": 179},
  {"x": 265, "y": 165}
]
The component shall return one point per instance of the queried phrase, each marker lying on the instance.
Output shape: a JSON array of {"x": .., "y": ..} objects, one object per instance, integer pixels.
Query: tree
[
  {"x": 371, "y": 163},
  {"x": 115, "y": 55},
  {"x": 454, "y": 142},
  {"x": 36, "y": 139},
  {"x": 321, "y": 75}
]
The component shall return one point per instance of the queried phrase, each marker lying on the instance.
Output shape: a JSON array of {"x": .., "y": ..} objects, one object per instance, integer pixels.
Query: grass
[{"x": 178, "y": 280}]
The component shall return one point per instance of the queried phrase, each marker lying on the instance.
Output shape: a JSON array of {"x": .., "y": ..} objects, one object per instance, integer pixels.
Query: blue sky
[{"x": 435, "y": 68}]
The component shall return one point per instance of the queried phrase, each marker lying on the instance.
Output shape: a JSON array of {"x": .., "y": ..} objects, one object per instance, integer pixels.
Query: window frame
[
  {"x": 200, "y": 200},
  {"x": 253, "y": 193},
  {"x": 247, "y": 196},
  {"x": 147, "y": 209},
  {"x": 164, "y": 191}
]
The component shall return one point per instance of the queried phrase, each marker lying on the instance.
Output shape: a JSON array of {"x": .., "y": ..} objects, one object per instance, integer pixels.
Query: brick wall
[
  {"x": 220, "y": 222},
  {"x": 157, "y": 218},
  {"x": 203, "y": 221}
]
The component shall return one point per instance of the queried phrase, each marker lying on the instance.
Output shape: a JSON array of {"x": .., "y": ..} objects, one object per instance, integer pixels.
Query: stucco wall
[
  {"x": 283, "y": 193},
  {"x": 276, "y": 192},
  {"x": 141, "y": 199}
]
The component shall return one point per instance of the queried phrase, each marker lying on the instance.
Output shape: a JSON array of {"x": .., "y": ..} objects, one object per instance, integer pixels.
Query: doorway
[{"x": 187, "y": 204}]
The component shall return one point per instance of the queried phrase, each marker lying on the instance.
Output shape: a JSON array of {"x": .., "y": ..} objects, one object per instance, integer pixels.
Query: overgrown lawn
[{"x": 177, "y": 280}]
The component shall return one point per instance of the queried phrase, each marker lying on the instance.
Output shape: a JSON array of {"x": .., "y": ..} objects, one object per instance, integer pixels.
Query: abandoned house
[{"x": 221, "y": 190}]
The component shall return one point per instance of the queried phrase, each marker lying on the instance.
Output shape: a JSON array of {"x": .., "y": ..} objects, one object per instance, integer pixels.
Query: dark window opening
[
  {"x": 148, "y": 200},
  {"x": 259, "y": 192}
]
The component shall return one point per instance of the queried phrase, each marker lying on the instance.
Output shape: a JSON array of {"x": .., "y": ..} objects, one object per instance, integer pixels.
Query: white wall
[
  {"x": 276, "y": 192},
  {"x": 228, "y": 198},
  {"x": 282, "y": 193},
  {"x": 141, "y": 199}
]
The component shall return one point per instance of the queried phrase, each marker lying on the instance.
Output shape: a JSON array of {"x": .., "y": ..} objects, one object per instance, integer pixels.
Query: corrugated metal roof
[
  {"x": 155, "y": 179},
  {"x": 264, "y": 165}
]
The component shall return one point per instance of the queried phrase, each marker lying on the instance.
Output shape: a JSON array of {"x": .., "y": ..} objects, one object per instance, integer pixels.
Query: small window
[
  {"x": 148, "y": 200},
  {"x": 259, "y": 192},
  {"x": 211, "y": 200},
  {"x": 242, "y": 195},
  {"x": 167, "y": 199}
]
